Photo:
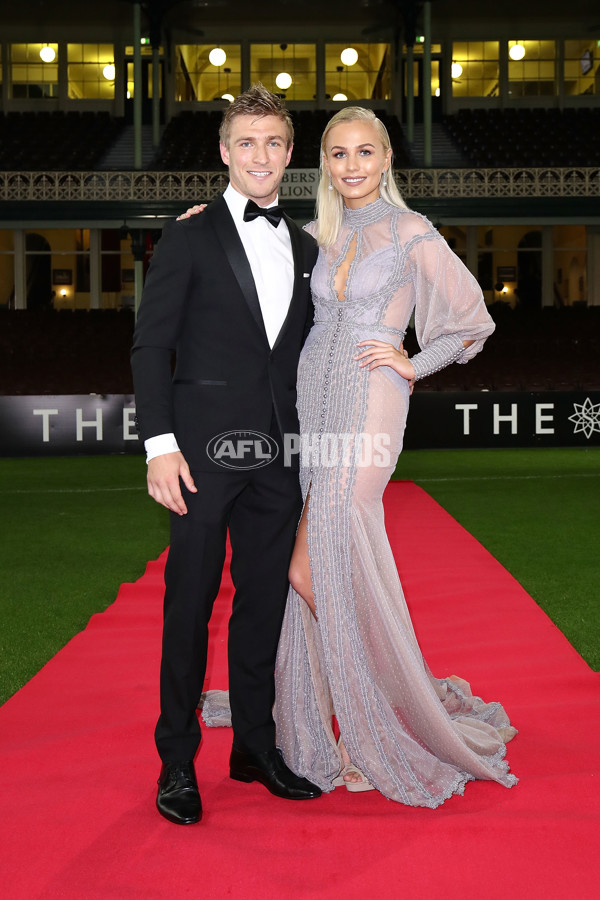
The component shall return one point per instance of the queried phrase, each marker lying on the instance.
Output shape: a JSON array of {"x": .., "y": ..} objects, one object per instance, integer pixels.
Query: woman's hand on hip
[{"x": 380, "y": 353}]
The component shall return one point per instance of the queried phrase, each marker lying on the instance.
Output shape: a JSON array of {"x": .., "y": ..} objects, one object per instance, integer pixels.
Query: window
[
  {"x": 289, "y": 70},
  {"x": 531, "y": 68},
  {"x": 417, "y": 69},
  {"x": 34, "y": 71},
  {"x": 474, "y": 69},
  {"x": 510, "y": 264},
  {"x": 436, "y": 50},
  {"x": 582, "y": 68},
  {"x": 91, "y": 71},
  {"x": 57, "y": 268},
  {"x": 147, "y": 54},
  {"x": 207, "y": 72},
  {"x": 367, "y": 78}
]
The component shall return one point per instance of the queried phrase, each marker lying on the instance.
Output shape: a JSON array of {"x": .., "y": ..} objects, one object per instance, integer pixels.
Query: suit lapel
[
  {"x": 234, "y": 250},
  {"x": 298, "y": 274}
]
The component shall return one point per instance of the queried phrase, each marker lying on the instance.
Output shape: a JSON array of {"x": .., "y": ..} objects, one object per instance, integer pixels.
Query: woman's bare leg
[
  {"x": 299, "y": 573},
  {"x": 301, "y": 581}
]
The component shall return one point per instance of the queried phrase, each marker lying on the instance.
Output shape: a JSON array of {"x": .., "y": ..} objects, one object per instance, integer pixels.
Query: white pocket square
[{"x": 307, "y": 274}]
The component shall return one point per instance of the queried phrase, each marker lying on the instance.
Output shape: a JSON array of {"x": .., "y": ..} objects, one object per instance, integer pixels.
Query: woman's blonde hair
[{"x": 330, "y": 205}]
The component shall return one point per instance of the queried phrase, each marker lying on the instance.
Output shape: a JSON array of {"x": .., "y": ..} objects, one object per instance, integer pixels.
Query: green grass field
[{"x": 75, "y": 528}]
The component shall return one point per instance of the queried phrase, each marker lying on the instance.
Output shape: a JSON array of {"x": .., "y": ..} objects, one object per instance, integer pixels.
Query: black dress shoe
[
  {"x": 178, "y": 798},
  {"x": 270, "y": 769}
]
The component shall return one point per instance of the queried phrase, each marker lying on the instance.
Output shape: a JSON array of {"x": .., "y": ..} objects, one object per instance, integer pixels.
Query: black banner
[
  {"x": 68, "y": 425},
  {"x": 487, "y": 419},
  {"x": 74, "y": 425}
]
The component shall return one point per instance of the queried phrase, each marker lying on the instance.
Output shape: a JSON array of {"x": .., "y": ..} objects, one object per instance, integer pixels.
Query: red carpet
[{"x": 79, "y": 766}]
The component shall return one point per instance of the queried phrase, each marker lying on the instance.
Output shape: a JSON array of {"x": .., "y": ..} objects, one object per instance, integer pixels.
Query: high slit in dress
[{"x": 417, "y": 738}]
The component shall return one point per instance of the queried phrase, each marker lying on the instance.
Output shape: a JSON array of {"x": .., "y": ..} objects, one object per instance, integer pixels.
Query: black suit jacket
[{"x": 200, "y": 303}]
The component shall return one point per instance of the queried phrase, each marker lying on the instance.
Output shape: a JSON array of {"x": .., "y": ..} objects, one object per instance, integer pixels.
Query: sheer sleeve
[
  {"x": 312, "y": 228},
  {"x": 448, "y": 299}
]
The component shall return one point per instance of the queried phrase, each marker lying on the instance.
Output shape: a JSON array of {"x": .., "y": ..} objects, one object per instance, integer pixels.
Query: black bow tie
[{"x": 272, "y": 214}]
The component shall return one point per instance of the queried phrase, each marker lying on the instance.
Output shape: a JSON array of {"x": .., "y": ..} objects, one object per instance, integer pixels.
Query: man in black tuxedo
[{"x": 227, "y": 292}]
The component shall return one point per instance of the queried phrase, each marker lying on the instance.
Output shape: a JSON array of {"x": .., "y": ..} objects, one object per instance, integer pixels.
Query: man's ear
[
  {"x": 224, "y": 153},
  {"x": 289, "y": 155}
]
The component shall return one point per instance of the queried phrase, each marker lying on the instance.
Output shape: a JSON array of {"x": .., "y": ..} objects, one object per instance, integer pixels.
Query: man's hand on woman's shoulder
[{"x": 199, "y": 207}]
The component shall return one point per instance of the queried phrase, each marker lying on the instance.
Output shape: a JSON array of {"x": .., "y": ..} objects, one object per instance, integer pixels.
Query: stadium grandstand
[{"x": 109, "y": 116}]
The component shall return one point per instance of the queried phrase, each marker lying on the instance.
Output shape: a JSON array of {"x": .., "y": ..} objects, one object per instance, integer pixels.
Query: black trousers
[{"x": 261, "y": 508}]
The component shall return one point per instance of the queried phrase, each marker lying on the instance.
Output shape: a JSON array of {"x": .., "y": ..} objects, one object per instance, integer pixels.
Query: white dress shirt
[{"x": 269, "y": 252}]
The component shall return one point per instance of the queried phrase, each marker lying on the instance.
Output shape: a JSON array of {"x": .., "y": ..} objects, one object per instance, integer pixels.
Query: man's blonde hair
[{"x": 256, "y": 101}]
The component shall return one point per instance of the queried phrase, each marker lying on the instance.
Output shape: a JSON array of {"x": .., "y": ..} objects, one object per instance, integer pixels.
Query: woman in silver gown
[{"x": 348, "y": 647}]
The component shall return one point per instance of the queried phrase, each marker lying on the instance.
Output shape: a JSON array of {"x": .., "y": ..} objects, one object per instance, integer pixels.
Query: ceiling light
[
  {"x": 517, "y": 52},
  {"x": 456, "y": 70},
  {"x": 47, "y": 54},
  {"x": 283, "y": 81},
  {"x": 217, "y": 56},
  {"x": 109, "y": 72},
  {"x": 229, "y": 97},
  {"x": 349, "y": 56},
  {"x": 339, "y": 97}
]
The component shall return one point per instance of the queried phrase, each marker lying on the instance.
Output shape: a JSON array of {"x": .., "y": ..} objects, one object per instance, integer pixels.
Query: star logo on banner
[{"x": 586, "y": 417}]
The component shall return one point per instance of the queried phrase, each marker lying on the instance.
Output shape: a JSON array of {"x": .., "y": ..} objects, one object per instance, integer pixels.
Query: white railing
[{"x": 188, "y": 186}]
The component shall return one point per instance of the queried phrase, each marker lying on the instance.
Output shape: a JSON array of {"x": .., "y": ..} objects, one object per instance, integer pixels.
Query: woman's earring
[
  {"x": 384, "y": 178},
  {"x": 330, "y": 186}
]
